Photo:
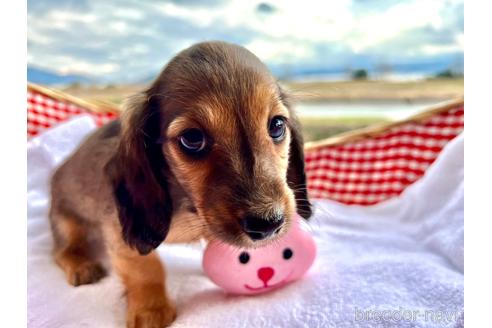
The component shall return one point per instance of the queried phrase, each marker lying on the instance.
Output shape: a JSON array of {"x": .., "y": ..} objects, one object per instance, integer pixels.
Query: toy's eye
[
  {"x": 244, "y": 257},
  {"x": 287, "y": 253}
]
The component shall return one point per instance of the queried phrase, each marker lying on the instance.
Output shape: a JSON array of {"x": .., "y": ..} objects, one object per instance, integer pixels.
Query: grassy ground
[
  {"x": 319, "y": 128},
  {"x": 432, "y": 89},
  {"x": 113, "y": 94}
]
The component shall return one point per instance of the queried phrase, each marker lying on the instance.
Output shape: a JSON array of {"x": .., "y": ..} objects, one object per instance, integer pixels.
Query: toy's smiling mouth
[{"x": 266, "y": 286}]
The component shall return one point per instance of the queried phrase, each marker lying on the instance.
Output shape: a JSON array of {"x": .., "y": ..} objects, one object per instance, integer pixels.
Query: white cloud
[
  {"x": 79, "y": 66},
  {"x": 279, "y": 50},
  {"x": 201, "y": 17},
  {"x": 129, "y": 13},
  {"x": 108, "y": 37},
  {"x": 63, "y": 18}
]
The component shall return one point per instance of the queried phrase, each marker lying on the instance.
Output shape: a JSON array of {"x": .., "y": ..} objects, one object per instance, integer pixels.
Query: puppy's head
[{"x": 218, "y": 123}]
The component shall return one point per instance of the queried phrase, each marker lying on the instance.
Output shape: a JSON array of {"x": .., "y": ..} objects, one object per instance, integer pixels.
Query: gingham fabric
[
  {"x": 364, "y": 172},
  {"x": 369, "y": 171},
  {"x": 44, "y": 112}
]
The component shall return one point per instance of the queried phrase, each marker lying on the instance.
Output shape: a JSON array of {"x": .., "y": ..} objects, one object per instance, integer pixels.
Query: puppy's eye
[
  {"x": 244, "y": 257},
  {"x": 287, "y": 254},
  {"x": 276, "y": 128},
  {"x": 192, "y": 140}
]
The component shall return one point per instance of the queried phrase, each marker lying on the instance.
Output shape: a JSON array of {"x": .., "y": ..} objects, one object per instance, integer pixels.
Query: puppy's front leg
[{"x": 143, "y": 277}]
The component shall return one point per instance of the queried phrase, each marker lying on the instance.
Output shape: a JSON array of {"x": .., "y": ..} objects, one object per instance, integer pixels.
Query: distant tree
[
  {"x": 360, "y": 74},
  {"x": 448, "y": 74}
]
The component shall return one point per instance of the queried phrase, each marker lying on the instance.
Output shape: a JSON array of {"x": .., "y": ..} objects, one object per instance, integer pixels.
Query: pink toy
[{"x": 253, "y": 271}]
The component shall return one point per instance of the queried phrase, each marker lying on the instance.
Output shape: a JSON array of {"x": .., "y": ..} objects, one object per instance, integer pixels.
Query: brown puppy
[{"x": 211, "y": 150}]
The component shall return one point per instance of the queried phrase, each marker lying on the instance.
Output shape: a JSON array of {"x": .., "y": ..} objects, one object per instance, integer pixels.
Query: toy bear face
[{"x": 252, "y": 271}]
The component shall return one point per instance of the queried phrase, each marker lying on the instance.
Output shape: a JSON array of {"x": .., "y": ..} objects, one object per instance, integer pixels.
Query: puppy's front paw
[
  {"x": 85, "y": 273},
  {"x": 158, "y": 317}
]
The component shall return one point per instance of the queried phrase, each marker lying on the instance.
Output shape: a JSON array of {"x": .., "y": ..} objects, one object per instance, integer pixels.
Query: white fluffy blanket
[{"x": 399, "y": 263}]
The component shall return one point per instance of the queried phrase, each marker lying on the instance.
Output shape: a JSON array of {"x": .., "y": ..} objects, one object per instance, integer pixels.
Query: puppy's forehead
[
  {"x": 221, "y": 114},
  {"x": 213, "y": 68},
  {"x": 246, "y": 104},
  {"x": 218, "y": 86}
]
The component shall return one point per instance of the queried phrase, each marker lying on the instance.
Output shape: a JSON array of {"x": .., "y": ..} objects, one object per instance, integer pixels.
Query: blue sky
[{"x": 130, "y": 40}]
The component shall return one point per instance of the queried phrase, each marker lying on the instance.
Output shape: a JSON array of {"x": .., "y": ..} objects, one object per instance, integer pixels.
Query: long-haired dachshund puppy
[{"x": 211, "y": 150}]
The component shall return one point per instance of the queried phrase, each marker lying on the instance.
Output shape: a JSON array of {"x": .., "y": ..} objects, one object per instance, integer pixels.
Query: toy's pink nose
[{"x": 265, "y": 274}]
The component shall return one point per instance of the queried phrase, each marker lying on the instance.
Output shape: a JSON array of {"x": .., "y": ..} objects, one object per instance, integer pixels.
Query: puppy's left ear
[
  {"x": 296, "y": 176},
  {"x": 137, "y": 173}
]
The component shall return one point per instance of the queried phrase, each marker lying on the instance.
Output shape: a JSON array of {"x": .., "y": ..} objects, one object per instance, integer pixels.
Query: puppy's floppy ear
[
  {"x": 296, "y": 176},
  {"x": 137, "y": 173}
]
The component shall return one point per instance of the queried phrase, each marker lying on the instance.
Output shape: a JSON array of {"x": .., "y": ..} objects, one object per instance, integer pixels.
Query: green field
[
  {"x": 321, "y": 128},
  {"x": 431, "y": 89}
]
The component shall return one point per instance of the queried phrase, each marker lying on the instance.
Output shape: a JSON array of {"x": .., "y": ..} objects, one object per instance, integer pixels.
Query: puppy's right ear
[
  {"x": 296, "y": 175},
  {"x": 137, "y": 174}
]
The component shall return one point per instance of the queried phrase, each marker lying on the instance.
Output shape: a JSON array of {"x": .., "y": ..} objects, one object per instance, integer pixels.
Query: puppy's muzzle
[{"x": 258, "y": 228}]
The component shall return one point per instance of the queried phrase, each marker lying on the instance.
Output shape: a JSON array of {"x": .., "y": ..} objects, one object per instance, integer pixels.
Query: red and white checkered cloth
[
  {"x": 44, "y": 112},
  {"x": 369, "y": 171},
  {"x": 363, "y": 172}
]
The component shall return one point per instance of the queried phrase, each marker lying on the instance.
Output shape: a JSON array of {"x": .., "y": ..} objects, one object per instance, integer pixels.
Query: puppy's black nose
[{"x": 258, "y": 228}]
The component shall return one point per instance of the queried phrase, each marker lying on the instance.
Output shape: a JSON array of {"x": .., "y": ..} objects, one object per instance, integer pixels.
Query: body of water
[{"x": 390, "y": 110}]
